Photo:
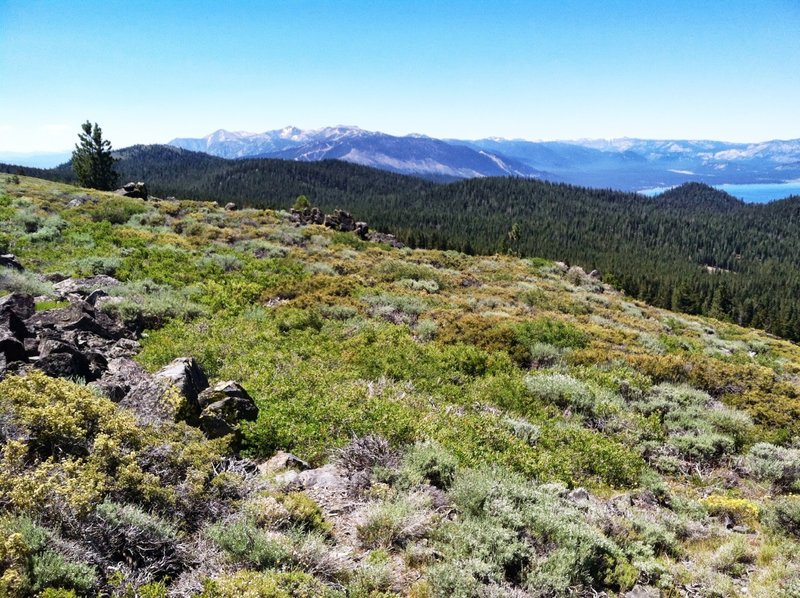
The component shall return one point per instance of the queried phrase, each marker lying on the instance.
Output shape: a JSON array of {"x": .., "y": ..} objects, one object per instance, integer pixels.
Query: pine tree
[{"x": 92, "y": 160}]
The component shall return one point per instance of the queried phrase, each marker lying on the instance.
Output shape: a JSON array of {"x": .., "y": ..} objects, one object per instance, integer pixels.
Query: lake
[{"x": 751, "y": 193}]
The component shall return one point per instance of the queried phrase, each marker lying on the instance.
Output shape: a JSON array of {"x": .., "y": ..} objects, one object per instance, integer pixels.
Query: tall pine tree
[{"x": 92, "y": 160}]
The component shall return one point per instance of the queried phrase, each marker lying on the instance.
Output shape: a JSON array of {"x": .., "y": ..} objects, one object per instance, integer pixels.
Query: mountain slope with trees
[{"x": 693, "y": 249}]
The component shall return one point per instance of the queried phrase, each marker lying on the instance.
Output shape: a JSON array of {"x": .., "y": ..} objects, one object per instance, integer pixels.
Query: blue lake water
[{"x": 751, "y": 193}]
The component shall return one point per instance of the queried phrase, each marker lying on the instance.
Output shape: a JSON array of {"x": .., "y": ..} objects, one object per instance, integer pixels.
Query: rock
[
  {"x": 79, "y": 316},
  {"x": 280, "y": 461},
  {"x": 169, "y": 395},
  {"x": 133, "y": 190},
  {"x": 92, "y": 298},
  {"x": 223, "y": 407},
  {"x": 186, "y": 375},
  {"x": 121, "y": 375},
  {"x": 12, "y": 325},
  {"x": 230, "y": 207},
  {"x": 84, "y": 286},
  {"x": 386, "y": 239},
  {"x": 327, "y": 476},
  {"x": 12, "y": 349},
  {"x": 340, "y": 220},
  {"x": 307, "y": 216},
  {"x": 20, "y": 304},
  {"x": 578, "y": 495},
  {"x": 594, "y": 274},
  {"x": 79, "y": 200},
  {"x": 64, "y": 365},
  {"x": 9, "y": 260}
]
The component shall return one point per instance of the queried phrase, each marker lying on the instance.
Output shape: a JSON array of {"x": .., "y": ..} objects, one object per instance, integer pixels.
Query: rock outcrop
[
  {"x": 223, "y": 406},
  {"x": 9, "y": 260},
  {"x": 80, "y": 341},
  {"x": 132, "y": 189}
]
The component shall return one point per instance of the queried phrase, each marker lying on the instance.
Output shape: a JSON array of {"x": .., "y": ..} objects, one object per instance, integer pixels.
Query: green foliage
[
  {"x": 245, "y": 543},
  {"x": 29, "y": 566},
  {"x": 117, "y": 210},
  {"x": 552, "y": 332},
  {"x": 505, "y": 519},
  {"x": 92, "y": 160},
  {"x": 251, "y": 584},
  {"x": 784, "y": 516},
  {"x": 429, "y": 463},
  {"x": 775, "y": 464}
]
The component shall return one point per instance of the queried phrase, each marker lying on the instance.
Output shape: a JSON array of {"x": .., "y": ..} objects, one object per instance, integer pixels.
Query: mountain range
[{"x": 626, "y": 163}]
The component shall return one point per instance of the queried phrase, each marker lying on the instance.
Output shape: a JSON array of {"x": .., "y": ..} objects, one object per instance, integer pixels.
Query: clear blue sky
[{"x": 148, "y": 71}]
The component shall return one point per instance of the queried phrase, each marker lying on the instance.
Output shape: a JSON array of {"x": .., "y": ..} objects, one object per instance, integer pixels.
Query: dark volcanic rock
[
  {"x": 20, "y": 304},
  {"x": 12, "y": 349},
  {"x": 223, "y": 407},
  {"x": 81, "y": 317},
  {"x": 133, "y": 190},
  {"x": 340, "y": 220},
  {"x": 186, "y": 375},
  {"x": 307, "y": 216},
  {"x": 9, "y": 260},
  {"x": 65, "y": 364}
]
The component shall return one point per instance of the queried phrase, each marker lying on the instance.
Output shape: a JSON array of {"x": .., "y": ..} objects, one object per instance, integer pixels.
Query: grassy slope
[{"x": 502, "y": 362}]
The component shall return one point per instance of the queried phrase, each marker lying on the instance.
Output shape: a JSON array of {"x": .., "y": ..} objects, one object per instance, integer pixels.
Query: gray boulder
[{"x": 169, "y": 395}]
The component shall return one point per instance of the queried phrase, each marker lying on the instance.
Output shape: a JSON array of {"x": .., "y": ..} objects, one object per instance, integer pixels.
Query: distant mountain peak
[{"x": 622, "y": 162}]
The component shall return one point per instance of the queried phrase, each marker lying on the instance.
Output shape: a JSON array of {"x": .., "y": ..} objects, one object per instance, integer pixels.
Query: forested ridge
[{"x": 693, "y": 249}]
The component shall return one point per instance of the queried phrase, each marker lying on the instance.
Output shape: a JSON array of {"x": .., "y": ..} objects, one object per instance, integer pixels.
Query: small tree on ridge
[{"x": 92, "y": 160}]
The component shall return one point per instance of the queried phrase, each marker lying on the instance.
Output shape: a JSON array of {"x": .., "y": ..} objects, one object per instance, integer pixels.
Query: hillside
[
  {"x": 460, "y": 425},
  {"x": 692, "y": 249}
]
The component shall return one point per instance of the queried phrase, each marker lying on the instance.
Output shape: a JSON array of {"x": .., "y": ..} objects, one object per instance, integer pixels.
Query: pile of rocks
[
  {"x": 341, "y": 221},
  {"x": 80, "y": 341}
]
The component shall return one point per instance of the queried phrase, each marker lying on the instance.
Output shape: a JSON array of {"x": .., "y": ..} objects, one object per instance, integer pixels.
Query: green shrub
[
  {"x": 28, "y": 564},
  {"x": 396, "y": 521},
  {"x": 784, "y": 516},
  {"x": 564, "y": 391},
  {"x": 249, "y": 545},
  {"x": 149, "y": 305},
  {"x": 429, "y": 463},
  {"x": 251, "y": 584},
  {"x": 775, "y": 464},
  {"x": 117, "y": 210},
  {"x": 93, "y": 265},
  {"x": 507, "y": 522},
  {"x": 24, "y": 282},
  {"x": 553, "y": 332}
]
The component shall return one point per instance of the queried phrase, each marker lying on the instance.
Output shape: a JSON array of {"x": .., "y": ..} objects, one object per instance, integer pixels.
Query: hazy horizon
[{"x": 151, "y": 71}]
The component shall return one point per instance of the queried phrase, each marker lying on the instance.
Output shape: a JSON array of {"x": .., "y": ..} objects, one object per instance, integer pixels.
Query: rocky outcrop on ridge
[{"x": 81, "y": 341}]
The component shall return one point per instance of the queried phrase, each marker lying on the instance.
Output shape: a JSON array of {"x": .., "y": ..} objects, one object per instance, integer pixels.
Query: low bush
[
  {"x": 737, "y": 510},
  {"x": 249, "y": 545},
  {"x": 428, "y": 463},
  {"x": 784, "y": 516},
  {"x": 775, "y": 464},
  {"x": 396, "y": 521},
  {"x": 270, "y": 584},
  {"x": 29, "y": 566}
]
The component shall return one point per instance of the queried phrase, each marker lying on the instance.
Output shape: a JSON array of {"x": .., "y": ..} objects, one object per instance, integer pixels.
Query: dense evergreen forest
[{"x": 693, "y": 249}]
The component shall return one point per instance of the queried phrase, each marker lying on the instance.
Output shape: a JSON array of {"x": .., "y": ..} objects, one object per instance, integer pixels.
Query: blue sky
[{"x": 150, "y": 71}]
